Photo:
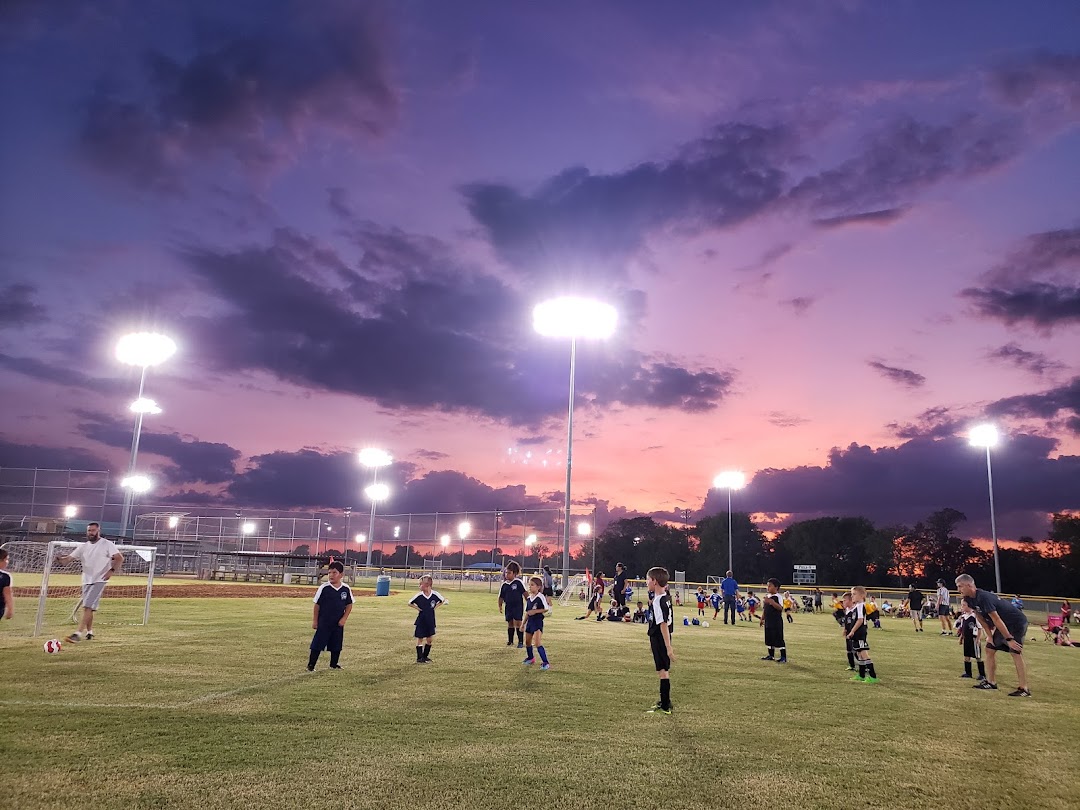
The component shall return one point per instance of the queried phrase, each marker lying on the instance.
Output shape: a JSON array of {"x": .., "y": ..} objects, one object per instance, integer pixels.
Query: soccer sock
[
  {"x": 312, "y": 659},
  {"x": 967, "y": 668},
  {"x": 334, "y": 657},
  {"x": 870, "y": 669},
  {"x": 543, "y": 653},
  {"x": 521, "y": 636},
  {"x": 528, "y": 652},
  {"x": 982, "y": 669},
  {"x": 427, "y": 650},
  {"x": 771, "y": 652},
  {"x": 419, "y": 651},
  {"x": 783, "y": 652},
  {"x": 851, "y": 660},
  {"x": 510, "y": 635},
  {"x": 862, "y": 670},
  {"x": 665, "y": 693}
]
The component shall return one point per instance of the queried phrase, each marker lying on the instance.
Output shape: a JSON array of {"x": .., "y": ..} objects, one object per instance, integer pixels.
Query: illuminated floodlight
[
  {"x": 584, "y": 529},
  {"x": 397, "y": 532},
  {"x": 377, "y": 492},
  {"x": 248, "y": 528},
  {"x": 530, "y": 540},
  {"x": 360, "y": 538},
  {"x": 731, "y": 479},
  {"x": 572, "y": 317},
  {"x": 144, "y": 405},
  {"x": 145, "y": 349},
  {"x": 984, "y": 436},
  {"x": 70, "y": 511},
  {"x": 463, "y": 529},
  {"x": 137, "y": 483},
  {"x": 174, "y": 521},
  {"x": 444, "y": 541},
  {"x": 374, "y": 457}
]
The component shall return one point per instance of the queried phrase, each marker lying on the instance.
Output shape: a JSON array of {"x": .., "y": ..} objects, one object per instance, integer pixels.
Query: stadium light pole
[
  {"x": 574, "y": 318},
  {"x": 373, "y": 458},
  {"x": 463, "y": 530},
  {"x": 584, "y": 530},
  {"x": 135, "y": 485},
  {"x": 730, "y": 480},
  {"x": 376, "y": 492},
  {"x": 987, "y": 436},
  {"x": 142, "y": 349}
]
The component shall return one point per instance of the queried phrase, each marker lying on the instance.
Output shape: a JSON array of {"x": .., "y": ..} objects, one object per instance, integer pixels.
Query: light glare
[
  {"x": 444, "y": 541},
  {"x": 984, "y": 436},
  {"x": 174, "y": 521},
  {"x": 377, "y": 492},
  {"x": 144, "y": 349},
  {"x": 574, "y": 318},
  {"x": 731, "y": 479},
  {"x": 360, "y": 538},
  {"x": 144, "y": 405},
  {"x": 137, "y": 483},
  {"x": 584, "y": 529},
  {"x": 70, "y": 511},
  {"x": 530, "y": 540},
  {"x": 463, "y": 529},
  {"x": 374, "y": 457},
  {"x": 248, "y": 528}
]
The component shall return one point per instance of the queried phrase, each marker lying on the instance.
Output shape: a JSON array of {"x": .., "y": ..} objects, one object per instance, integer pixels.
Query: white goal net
[
  {"x": 573, "y": 592},
  {"x": 53, "y": 591}
]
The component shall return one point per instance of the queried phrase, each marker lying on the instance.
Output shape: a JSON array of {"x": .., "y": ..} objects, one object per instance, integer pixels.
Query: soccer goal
[
  {"x": 572, "y": 593},
  {"x": 712, "y": 582},
  {"x": 126, "y": 600}
]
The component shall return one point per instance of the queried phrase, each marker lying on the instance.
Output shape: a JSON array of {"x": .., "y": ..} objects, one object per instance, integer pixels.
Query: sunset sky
[{"x": 838, "y": 235}]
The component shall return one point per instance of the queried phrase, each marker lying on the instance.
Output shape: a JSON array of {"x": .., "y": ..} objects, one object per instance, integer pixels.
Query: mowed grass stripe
[{"x": 234, "y": 721}]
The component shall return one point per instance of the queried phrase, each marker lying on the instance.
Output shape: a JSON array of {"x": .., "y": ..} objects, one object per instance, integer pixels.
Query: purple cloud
[{"x": 900, "y": 376}]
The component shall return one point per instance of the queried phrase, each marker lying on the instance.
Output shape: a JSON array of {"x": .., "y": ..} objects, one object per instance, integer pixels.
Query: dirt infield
[{"x": 204, "y": 592}]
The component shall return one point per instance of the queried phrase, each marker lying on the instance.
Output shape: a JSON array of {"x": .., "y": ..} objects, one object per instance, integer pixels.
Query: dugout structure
[{"x": 126, "y": 599}]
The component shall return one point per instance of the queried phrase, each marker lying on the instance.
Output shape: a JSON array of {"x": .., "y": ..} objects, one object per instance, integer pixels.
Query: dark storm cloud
[
  {"x": 933, "y": 423},
  {"x": 1036, "y": 282},
  {"x": 578, "y": 218},
  {"x": 735, "y": 172},
  {"x": 886, "y": 216},
  {"x": 37, "y": 456},
  {"x": 1036, "y": 76},
  {"x": 906, "y": 483},
  {"x": 1045, "y": 405},
  {"x": 18, "y": 307},
  {"x": 40, "y": 370},
  {"x": 192, "y": 460},
  {"x": 901, "y": 376},
  {"x": 414, "y": 330},
  {"x": 1044, "y": 305},
  {"x": 252, "y": 94},
  {"x": 1035, "y": 362}
]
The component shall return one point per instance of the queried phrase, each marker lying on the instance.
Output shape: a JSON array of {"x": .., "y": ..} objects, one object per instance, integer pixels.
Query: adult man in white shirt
[{"x": 100, "y": 559}]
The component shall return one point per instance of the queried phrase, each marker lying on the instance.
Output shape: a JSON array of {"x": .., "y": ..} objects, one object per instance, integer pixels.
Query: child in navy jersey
[
  {"x": 425, "y": 603},
  {"x": 511, "y": 600},
  {"x": 333, "y": 604},
  {"x": 536, "y": 606}
]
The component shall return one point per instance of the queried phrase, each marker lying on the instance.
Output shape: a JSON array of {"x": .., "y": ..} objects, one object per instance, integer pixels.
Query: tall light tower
[
  {"x": 730, "y": 480},
  {"x": 572, "y": 318},
  {"x": 373, "y": 458},
  {"x": 463, "y": 530},
  {"x": 583, "y": 531},
  {"x": 987, "y": 436},
  {"x": 142, "y": 349}
]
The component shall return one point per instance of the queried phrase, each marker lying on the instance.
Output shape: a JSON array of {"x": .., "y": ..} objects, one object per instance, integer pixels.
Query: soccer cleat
[
  {"x": 545, "y": 666},
  {"x": 509, "y": 644},
  {"x": 529, "y": 661},
  {"x": 1020, "y": 693},
  {"x": 870, "y": 679},
  {"x": 520, "y": 646},
  {"x": 985, "y": 685},
  {"x": 658, "y": 709},
  {"x": 767, "y": 658},
  {"x": 73, "y": 638},
  {"x": 428, "y": 660},
  {"x": 782, "y": 660},
  {"x": 966, "y": 675},
  {"x": 311, "y": 669},
  {"x": 850, "y": 669},
  {"x": 336, "y": 666},
  {"x": 858, "y": 678},
  {"x": 89, "y": 636}
]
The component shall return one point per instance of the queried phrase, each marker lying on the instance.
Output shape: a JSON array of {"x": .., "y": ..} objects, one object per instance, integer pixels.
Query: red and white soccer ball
[{"x": 53, "y": 645}]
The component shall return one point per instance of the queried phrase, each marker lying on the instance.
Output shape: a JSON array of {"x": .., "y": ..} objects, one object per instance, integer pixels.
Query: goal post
[{"x": 125, "y": 601}]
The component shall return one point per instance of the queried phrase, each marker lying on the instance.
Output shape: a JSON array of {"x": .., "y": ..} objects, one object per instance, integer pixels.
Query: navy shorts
[
  {"x": 943, "y": 610},
  {"x": 514, "y": 613},
  {"x": 999, "y": 643},
  {"x": 328, "y": 637},
  {"x": 425, "y": 628},
  {"x": 534, "y": 624}
]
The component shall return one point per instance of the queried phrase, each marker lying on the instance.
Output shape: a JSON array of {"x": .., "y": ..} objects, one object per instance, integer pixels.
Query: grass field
[{"x": 210, "y": 707}]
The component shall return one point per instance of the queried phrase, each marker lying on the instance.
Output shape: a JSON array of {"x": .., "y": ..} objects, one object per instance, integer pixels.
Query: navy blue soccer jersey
[
  {"x": 332, "y": 602},
  {"x": 512, "y": 592},
  {"x": 715, "y": 601},
  {"x": 427, "y": 605}
]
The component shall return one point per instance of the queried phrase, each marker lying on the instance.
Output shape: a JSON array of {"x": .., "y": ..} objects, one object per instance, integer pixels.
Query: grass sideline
[{"x": 210, "y": 707}]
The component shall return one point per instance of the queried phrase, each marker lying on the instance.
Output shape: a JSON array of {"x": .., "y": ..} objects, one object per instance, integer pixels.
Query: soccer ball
[
  {"x": 52, "y": 646},
  {"x": 704, "y": 624}
]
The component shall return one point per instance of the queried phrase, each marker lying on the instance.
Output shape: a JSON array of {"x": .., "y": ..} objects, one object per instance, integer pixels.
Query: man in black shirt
[
  {"x": 915, "y": 601},
  {"x": 772, "y": 620},
  {"x": 1005, "y": 626}
]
